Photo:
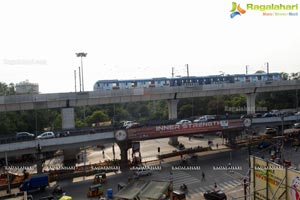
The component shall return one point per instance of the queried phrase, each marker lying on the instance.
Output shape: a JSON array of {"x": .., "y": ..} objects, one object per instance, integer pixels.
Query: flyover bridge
[{"x": 135, "y": 134}]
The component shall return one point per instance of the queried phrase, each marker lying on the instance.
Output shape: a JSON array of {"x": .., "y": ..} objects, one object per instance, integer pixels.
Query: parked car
[
  {"x": 215, "y": 195},
  {"x": 184, "y": 121},
  {"x": 24, "y": 135},
  {"x": 205, "y": 118},
  {"x": 46, "y": 135},
  {"x": 143, "y": 172}
]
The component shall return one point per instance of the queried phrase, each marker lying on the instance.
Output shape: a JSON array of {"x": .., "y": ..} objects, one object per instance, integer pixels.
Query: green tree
[{"x": 97, "y": 116}]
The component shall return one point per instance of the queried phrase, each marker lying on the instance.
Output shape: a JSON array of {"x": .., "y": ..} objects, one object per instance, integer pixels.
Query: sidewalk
[{"x": 200, "y": 154}]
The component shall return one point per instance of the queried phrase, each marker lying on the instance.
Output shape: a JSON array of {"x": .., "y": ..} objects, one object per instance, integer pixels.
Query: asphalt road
[{"x": 229, "y": 182}]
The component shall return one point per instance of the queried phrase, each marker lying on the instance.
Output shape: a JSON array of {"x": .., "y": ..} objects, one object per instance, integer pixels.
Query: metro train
[{"x": 183, "y": 81}]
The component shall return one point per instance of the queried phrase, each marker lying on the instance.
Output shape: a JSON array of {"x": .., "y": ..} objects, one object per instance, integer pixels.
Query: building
[{"x": 25, "y": 87}]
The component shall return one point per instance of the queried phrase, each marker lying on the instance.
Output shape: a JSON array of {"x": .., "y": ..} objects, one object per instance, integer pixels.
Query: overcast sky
[{"x": 127, "y": 39}]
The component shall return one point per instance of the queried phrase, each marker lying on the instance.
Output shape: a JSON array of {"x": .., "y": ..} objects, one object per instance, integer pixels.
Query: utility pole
[
  {"x": 79, "y": 79},
  {"x": 267, "y": 67},
  {"x": 187, "y": 70},
  {"x": 172, "y": 72},
  {"x": 81, "y": 54},
  {"x": 7, "y": 175},
  {"x": 75, "y": 80},
  {"x": 247, "y": 69}
]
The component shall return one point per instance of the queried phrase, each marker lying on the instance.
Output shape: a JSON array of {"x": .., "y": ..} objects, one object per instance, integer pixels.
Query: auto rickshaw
[
  {"x": 99, "y": 178},
  {"x": 178, "y": 195},
  {"x": 65, "y": 198},
  {"x": 95, "y": 190}
]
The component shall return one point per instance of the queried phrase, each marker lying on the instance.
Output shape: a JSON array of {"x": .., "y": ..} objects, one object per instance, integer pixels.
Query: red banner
[{"x": 182, "y": 129}]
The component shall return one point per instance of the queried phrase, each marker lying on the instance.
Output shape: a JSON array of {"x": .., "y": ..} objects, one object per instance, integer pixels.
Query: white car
[
  {"x": 143, "y": 172},
  {"x": 204, "y": 118},
  {"x": 46, "y": 135},
  {"x": 128, "y": 123},
  {"x": 184, "y": 121}
]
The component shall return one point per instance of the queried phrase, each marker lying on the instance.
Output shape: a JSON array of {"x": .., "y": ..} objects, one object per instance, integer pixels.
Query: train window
[
  {"x": 133, "y": 84},
  {"x": 259, "y": 78},
  {"x": 107, "y": 84},
  {"x": 270, "y": 77},
  {"x": 247, "y": 79}
]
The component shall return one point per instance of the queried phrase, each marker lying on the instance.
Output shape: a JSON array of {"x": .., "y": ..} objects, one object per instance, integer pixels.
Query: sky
[{"x": 131, "y": 39}]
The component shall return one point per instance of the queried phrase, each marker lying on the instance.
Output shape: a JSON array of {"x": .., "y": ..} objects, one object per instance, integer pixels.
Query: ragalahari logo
[{"x": 236, "y": 10}]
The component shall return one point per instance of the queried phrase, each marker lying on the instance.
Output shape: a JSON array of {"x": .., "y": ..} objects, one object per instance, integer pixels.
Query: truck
[{"x": 37, "y": 181}]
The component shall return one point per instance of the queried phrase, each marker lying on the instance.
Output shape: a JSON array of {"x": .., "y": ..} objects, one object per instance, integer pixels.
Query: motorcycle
[
  {"x": 184, "y": 188},
  {"x": 58, "y": 190}
]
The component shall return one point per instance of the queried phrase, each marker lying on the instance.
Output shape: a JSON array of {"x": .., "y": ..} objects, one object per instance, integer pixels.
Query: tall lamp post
[{"x": 81, "y": 54}]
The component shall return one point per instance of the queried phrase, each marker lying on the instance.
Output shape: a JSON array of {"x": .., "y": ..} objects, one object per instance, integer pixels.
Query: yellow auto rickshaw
[
  {"x": 99, "y": 178},
  {"x": 65, "y": 198},
  {"x": 178, "y": 195},
  {"x": 95, "y": 190}
]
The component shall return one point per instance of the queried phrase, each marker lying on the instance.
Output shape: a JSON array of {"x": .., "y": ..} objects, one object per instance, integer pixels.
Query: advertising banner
[
  {"x": 182, "y": 129},
  {"x": 273, "y": 181}
]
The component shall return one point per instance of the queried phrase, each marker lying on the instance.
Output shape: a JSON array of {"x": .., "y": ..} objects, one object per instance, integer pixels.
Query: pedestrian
[
  {"x": 103, "y": 154},
  {"x": 203, "y": 177},
  {"x": 217, "y": 145},
  {"x": 216, "y": 186}
]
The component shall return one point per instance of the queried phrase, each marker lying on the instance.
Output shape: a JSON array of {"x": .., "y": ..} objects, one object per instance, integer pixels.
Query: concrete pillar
[
  {"x": 124, "y": 146},
  {"x": 67, "y": 116},
  {"x": 250, "y": 103},
  {"x": 172, "y": 108},
  {"x": 70, "y": 156}
]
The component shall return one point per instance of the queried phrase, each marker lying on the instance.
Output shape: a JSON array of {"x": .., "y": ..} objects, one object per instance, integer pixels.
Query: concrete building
[{"x": 25, "y": 87}]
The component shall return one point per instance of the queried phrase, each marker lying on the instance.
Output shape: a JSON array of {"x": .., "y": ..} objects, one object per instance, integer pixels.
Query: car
[
  {"x": 184, "y": 121},
  {"x": 215, "y": 195},
  {"x": 142, "y": 172},
  {"x": 254, "y": 115},
  {"x": 270, "y": 131},
  {"x": 24, "y": 135},
  {"x": 133, "y": 125},
  {"x": 297, "y": 125},
  {"x": 205, "y": 118},
  {"x": 264, "y": 144},
  {"x": 297, "y": 113},
  {"x": 268, "y": 115},
  {"x": 46, "y": 135},
  {"x": 128, "y": 123}
]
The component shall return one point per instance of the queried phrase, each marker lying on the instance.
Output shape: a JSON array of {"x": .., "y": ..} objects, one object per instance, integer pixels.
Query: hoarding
[{"x": 273, "y": 181}]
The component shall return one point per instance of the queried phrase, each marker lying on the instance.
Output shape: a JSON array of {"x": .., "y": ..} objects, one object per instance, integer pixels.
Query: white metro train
[{"x": 183, "y": 81}]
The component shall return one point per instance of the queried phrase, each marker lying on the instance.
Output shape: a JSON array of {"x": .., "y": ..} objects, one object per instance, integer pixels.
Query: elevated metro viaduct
[{"x": 124, "y": 137}]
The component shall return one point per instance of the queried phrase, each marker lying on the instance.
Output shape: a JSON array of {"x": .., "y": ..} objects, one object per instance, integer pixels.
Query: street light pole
[{"x": 81, "y": 54}]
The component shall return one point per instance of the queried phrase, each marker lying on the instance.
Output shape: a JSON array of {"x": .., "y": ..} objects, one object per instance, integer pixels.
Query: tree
[
  {"x": 185, "y": 111},
  {"x": 97, "y": 116},
  {"x": 295, "y": 76}
]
